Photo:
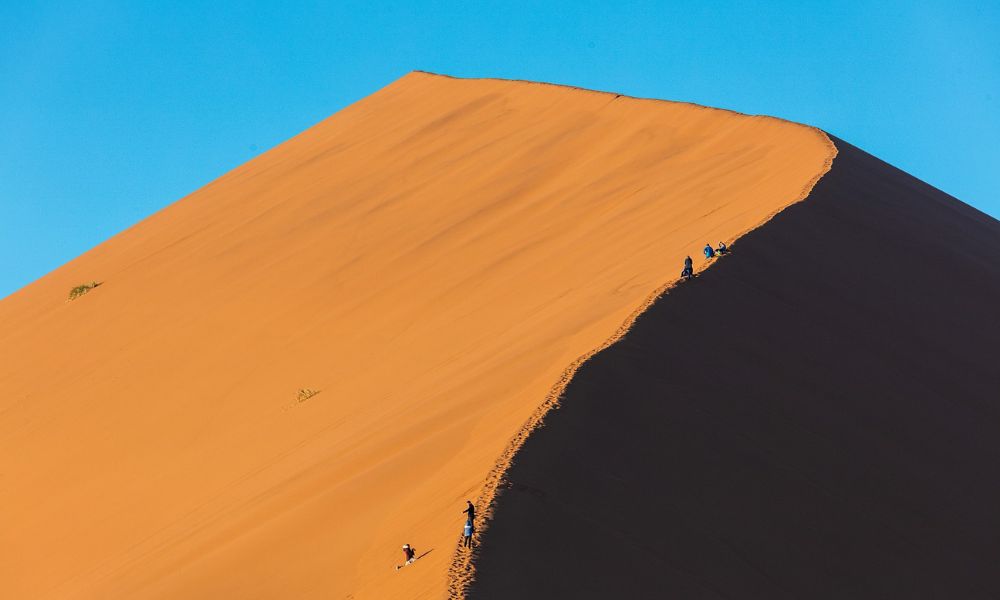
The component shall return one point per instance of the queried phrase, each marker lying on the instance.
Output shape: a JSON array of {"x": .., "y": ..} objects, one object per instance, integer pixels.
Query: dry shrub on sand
[
  {"x": 305, "y": 394},
  {"x": 83, "y": 289}
]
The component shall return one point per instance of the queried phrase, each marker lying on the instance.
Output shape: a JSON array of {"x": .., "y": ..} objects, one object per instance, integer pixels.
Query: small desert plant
[
  {"x": 305, "y": 394},
  {"x": 82, "y": 289}
]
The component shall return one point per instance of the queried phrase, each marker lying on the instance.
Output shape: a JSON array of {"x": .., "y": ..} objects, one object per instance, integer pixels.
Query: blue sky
[{"x": 111, "y": 110}]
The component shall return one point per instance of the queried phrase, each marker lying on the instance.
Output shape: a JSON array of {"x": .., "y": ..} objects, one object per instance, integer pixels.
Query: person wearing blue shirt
[
  {"x": 709, "y": 251},
  {"x": 467, "y": 534}
]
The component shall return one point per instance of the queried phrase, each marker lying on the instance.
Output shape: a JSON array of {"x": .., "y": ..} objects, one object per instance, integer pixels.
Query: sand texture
[
  {"x": 320, "y": 355},
  {"x": 814, "y": 417}
]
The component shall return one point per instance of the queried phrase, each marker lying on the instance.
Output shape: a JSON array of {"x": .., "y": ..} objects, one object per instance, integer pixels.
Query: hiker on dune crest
[
  {"x": 688, "y": 271},
  {"x": 467, "y": 534}
]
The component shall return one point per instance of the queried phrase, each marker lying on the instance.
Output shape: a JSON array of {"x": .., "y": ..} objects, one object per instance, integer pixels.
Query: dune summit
[{"x": 319, "y": 356}]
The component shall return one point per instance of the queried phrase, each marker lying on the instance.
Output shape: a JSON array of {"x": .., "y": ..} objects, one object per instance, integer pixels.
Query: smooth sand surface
[
  {"x": 814, "y": 417},
  {"x": 432, "y": 259}
]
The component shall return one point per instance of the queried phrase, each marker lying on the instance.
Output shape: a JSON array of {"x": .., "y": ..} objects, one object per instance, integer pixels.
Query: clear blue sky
[{"x": 111, "y": 110}]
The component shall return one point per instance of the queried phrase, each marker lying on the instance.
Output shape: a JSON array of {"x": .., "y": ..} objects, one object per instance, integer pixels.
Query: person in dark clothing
[
  {"x": 470, "y": 510},
  {"x": 688, "y": 271},
  {"x": 467, "y": 534},
  {"x": 709, "y": 251},
  {"x": 409, "y": 555},
  {"x": 722, "y": 249}
]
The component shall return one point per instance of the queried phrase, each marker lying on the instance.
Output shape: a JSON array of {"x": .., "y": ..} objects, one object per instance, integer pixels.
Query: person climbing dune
[
  {"x": 409, "y": 555},
  {"x": 470, "y": 510},
  {"x": 467, "y": 534}
]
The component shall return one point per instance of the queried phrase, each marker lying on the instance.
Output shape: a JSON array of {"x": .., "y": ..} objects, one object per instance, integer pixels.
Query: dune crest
[
  {"x": 461, "y": 573},
  {"x": 428, "y": 261}
]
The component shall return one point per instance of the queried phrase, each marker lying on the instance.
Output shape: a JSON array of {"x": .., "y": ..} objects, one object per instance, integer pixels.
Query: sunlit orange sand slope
[{"x": 431, "y": 259}]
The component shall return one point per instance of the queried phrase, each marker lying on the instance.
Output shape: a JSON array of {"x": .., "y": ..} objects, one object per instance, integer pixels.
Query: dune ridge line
[
  {"x": 616, "y": 95},
  {"x": 461, "y": 572}
]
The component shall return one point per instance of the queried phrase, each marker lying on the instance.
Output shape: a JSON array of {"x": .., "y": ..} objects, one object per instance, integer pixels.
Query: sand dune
[
  {"x": 431, "y": 260},
  {"x": 815, "y": 417}
]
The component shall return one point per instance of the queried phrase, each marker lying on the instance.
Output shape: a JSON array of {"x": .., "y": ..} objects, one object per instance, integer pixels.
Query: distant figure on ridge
[
  {"x": 722, "y": 249},
  {"x": 688, "y": 271},
  {"x": 471, "y": 511},
  {"x": 467, "y": 534},
  {"x": 709, "y": 251}
]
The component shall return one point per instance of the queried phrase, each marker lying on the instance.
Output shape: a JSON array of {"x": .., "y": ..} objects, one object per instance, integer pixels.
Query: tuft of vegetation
[
  {"x": 83, "y": 289},
  {"x": 305, "y": 394}
]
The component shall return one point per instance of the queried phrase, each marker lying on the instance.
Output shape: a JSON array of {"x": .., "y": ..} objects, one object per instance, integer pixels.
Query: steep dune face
[
  {"x": 815, "y": 417},
  {"x": 430, "y": 259}
]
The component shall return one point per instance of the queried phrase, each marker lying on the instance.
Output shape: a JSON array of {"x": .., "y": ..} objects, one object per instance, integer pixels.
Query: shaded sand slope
[
  {"x": 431, "y": 259},
  {"x": 815, "y": 417}
]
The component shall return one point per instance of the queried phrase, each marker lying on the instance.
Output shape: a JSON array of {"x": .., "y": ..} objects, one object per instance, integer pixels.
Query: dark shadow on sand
[
  {"x": 423, "y": 555},
  {"x": 817, "y": 416}
]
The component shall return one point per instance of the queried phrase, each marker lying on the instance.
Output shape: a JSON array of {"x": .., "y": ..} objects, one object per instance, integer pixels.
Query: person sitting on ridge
[
  {"x": 722, "y": 249},
  {"x": 688, "y": 271},
  {"x": 709, "y": 252}
]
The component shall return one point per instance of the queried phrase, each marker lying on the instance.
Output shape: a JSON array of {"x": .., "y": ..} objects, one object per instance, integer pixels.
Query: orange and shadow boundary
[{"x": 462, "y": 570}]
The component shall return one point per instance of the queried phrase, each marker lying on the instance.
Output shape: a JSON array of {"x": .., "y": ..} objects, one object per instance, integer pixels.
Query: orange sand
[{"x": 431, "y": 258}]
